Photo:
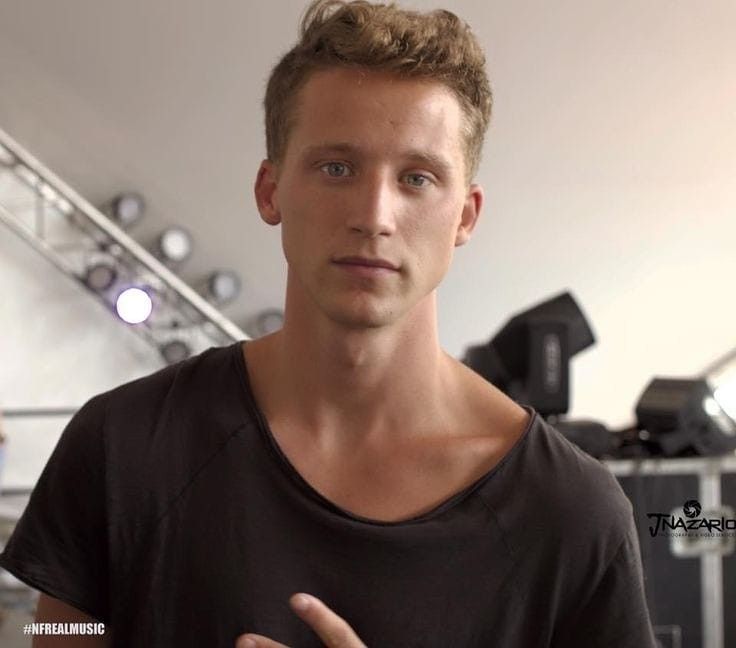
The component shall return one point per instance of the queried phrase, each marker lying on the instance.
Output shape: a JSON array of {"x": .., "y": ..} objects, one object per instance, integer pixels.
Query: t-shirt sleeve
[
  {"x": 59, "y": 545},
  {"x": 616, "y": 614}
]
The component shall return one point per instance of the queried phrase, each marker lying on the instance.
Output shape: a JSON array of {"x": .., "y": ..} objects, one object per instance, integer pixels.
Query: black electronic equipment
[
  {"x": 682, "y": 418},
  {"x": 529, "y": 357}
]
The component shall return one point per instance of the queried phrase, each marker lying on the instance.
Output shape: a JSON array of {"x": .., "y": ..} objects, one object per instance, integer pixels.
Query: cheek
[
  {"x": 290, "y": 237},
  {"x": 438, "y": 231},
  {"x": 290, "y": 220},
  {"x": 432, "y": 253},
  {"x": 302, "y": 240},
  {"x": 437, "y": 245}
]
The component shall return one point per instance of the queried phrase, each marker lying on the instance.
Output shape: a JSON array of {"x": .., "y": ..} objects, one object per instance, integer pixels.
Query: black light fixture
[
  {"x": 100, "y": 275},
  {"x": 126, "y": 209},
  {"x": 174, "y": 351},
  {"x": 267, "y": 321},
  {"x": 683, "y": 418},
  {"x": 529, "y": 357},
  {"x": 222, "y": 286}
]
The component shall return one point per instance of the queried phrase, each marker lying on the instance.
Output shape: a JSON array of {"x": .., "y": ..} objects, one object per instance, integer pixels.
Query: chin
[
  {"x": 357, "y": 321},
  {"x": 362, "y": 316}
]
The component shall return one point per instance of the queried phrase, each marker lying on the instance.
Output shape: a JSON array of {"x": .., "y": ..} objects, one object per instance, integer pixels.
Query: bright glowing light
[
  {"x": 134, "y": 305},
  {"x": 175, "y": 244},
  {"x": 711, "y": 406},
  {"x": 726, "y": 397}
]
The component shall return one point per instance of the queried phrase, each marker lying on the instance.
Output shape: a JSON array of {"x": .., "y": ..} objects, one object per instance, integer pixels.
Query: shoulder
[
  {"x": 542, "y": 470},
  {"x": 586, "y": 542},
  {"x": 144, "y": 399},
  {"x": 197, "y": 377},
  {"x": 571, "y": 497},
  {"x": 185, "y": 386},
  {"x": 575, "y": 479},
  {"x": 155, "y": 433},
  {"x": 189, "y": 407}
]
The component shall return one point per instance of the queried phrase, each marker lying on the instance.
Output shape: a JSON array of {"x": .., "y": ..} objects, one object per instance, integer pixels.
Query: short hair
[{"x": 336, "y": 33}]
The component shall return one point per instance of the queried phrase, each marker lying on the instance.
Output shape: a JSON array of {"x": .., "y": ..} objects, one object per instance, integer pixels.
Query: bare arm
[{"x": 52, "y": 610}]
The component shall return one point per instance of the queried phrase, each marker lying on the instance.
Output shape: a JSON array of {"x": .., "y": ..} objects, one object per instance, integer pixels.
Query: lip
[{"x": 366, "y": 262}]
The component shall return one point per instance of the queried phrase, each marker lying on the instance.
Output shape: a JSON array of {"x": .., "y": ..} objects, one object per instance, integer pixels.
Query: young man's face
[{"x": 374, "y": 168}]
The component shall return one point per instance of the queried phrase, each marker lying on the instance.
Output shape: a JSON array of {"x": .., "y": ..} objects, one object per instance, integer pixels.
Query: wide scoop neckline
[{"x": 290, "y": 470}]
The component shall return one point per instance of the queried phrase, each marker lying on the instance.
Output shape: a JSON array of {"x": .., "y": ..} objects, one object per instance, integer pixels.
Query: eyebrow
[{"x": 428, "y": 158}]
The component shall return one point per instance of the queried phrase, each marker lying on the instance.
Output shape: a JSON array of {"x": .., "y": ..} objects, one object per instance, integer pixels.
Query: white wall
[
  {"x": 609, "y": 171},
  {"x": 58, "y": 347}
]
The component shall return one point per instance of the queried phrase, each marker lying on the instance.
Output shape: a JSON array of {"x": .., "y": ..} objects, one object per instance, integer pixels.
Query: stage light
[
  {"x": 711, "y": 406},
  {"x": 529, "y": 358},
  {"x": 223, "y": 286},
  {"x": 134, "y": 305},
  {"x": 268, "y": 321},
  {"x": 100, "y": 276},
  {"x": 726, "y": 397},
  {"x": 722, "y": 377},
  {"x": 47, "y": 193},
  {"x": 113, "y": 249},
  {"x": 175, "y": 245},
  {"x": 175, "y": 351},
  {"x": 683, "y": 418},
  {"x": 126, "y": 209},
  {"x": 64, "y": 206}
]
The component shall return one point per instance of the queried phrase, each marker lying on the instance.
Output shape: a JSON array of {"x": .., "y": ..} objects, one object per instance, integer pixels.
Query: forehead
[{"x": 377, "y": 112}]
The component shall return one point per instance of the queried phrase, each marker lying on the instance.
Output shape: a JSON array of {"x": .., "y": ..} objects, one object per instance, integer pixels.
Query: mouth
[{"x": 370, "y": 263}]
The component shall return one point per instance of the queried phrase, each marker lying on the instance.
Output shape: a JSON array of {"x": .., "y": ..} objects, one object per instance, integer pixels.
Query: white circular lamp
[
  {"x": 175, "y": 245},
  {"x": 134, "y": 305}
]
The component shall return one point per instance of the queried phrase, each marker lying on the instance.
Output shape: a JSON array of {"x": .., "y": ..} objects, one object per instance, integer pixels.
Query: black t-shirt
[{"x": 168, "y": 511}]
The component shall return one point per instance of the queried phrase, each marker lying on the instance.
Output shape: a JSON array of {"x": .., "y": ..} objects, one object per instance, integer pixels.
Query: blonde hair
[{"x": 336, "y": 33}]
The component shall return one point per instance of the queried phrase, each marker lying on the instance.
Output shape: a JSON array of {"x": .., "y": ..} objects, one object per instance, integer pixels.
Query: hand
[{"x": 333, "y": 630}]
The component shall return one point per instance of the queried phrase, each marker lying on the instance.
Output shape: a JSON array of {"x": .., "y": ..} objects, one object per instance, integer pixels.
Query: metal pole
[
  {"x": 711, "y": 566},
  {"x": 39, "y": 411}
]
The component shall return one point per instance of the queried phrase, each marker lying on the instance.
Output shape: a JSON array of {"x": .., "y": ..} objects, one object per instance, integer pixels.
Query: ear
[
  {"x": 471, "y": 212},
  {"x": 266, "y": 194}
]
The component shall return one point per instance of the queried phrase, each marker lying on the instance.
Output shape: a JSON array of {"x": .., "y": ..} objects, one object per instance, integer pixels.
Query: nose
[{"x": 374, "y": 207}]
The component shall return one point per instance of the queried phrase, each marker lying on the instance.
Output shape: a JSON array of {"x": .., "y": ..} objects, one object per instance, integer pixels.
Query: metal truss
[{"x": 73, "y": 234}]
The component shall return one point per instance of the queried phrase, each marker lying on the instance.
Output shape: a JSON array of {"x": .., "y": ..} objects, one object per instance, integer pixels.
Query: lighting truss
[{"x": 75, "y": 236}]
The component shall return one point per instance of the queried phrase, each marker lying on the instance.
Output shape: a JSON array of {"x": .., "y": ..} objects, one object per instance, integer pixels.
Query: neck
[{"x": 347, "y": 384}]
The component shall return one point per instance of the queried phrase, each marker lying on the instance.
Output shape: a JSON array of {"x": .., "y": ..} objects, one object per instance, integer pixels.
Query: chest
[{"x": 398, "y": 482}]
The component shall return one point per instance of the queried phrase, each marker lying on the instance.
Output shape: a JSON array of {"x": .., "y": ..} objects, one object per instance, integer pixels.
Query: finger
[
  {"x": 260, "y": 642},
  {"x": 333, "y": 630}
]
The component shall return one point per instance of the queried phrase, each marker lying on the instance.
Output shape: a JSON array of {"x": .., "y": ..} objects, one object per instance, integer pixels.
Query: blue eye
[
  {"x": 414, "y": 177},
  {"x": 335, "y": 169}
]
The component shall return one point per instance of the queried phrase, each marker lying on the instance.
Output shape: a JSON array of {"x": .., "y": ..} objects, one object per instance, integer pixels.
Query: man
[{"x": 347, "y": 456}]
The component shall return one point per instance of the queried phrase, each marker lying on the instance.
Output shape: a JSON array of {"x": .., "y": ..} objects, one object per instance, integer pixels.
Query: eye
[
  {"x": 335, "y": 169},
  {"x": 418, "y": 180}
]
